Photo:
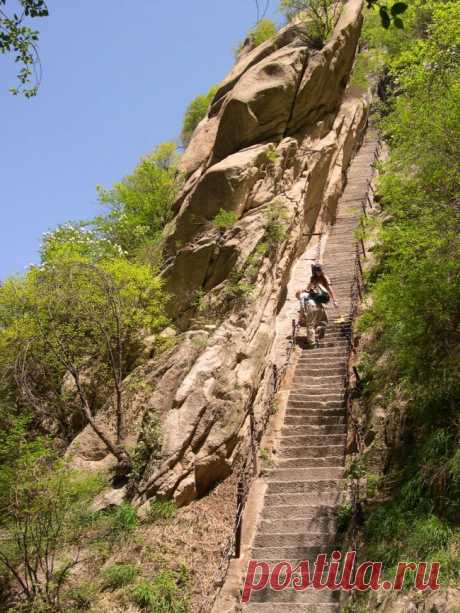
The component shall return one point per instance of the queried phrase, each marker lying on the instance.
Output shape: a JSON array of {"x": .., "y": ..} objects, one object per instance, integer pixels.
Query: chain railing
[
  {"x": 357, "y": 288},
  {"x": 248, "y": 470}
]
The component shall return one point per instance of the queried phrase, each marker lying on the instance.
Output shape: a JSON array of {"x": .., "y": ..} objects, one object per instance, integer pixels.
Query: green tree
[
  {"x": 43, "y": 506},
  {"x": 70, "y": 317},
  {"x": 322, "y": 15},
  {"x": 141, "y": 204},
  {"x": 415, "y": 313},
  {"x": 319, "y": 15},
  {"x": 21, "y": 40},
  {"x": 196, "y": 111}
]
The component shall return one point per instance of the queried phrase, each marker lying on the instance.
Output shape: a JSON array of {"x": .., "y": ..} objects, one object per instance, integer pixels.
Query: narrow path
[{"x": 305, "y": 488}]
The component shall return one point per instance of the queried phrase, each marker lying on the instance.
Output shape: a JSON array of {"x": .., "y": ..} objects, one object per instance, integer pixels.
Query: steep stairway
[{"x": 306, "y": 487}]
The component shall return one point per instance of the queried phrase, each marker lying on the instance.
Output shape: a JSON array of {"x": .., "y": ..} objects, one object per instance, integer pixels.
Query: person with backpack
[{"x": 312, "y": 300}]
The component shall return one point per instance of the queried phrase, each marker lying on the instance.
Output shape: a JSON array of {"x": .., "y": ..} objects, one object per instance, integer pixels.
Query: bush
[
  {"x": 260, "y": 33},
  {"x": 62, "y": 317},
  {"x": 320, "y": 17},
  {"x": 141, "y": 204},
  {"x": 263, "y": 31},
  {"x": 82, "y": 596},
  {"x": 162, "y": 509},
  {"x": 165, "y": 594},
  {"x": 119, "y": 575},
  {"x": 196, "y": 111},
  {"x": 124, "y": 520},
  {"x": 225, "y": 219},
  {"x": 415, "y": 295},
  {"x": 44, "y": 508},
  {"x": 275, "y": 227}
]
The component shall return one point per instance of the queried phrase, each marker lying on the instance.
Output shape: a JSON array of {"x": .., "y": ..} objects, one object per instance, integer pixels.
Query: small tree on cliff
[
  {"x": 320, "y": 15},
  {"x": 68, "y": 317}
]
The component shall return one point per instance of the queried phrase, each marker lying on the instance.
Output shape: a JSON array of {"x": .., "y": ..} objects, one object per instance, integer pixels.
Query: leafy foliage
[
  {"x": 416, "y": 294},
  {"x": 119, "y": 575},
  {"x": 320, "y": 16},
  {"x": 165, "y": 594},
  {"x": 21, "y": 40},
  {"x": 196, "y": 111},
  {"x": 162, "y": 509},
  {"x": 225, "y": 219},
  {"x": 43, "y": 507},
  {"x": 141, "y": 204},
  {"x": 275, "y": 223},
  {"x": 67, "y": 314},
  {"x": 260, "y": 33}
]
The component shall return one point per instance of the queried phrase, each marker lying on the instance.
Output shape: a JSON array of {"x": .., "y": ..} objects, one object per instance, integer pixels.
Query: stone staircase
[{"x": 306, "y": 487}]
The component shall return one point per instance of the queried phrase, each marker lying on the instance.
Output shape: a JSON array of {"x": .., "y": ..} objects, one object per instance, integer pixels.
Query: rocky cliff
[{"x": 273, "y": 152}]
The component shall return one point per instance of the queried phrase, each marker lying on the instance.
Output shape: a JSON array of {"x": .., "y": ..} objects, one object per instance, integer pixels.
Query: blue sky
[{"x": 117, "y": 77}]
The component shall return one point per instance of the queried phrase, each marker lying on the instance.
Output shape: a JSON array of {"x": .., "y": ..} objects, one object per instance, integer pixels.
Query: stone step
[
  {"x": 291, "y": 597},
  {"x": 318, "y": 395},
  {"x": 323, "y": 420},
  {"x": 314, "y": 440},
  {"x": 317, "y": 451},
  {"x": 307, "y": 487},
  {"x": 333, "y": 499},
  {"x": 320, "y": 378},
  {"x": 290, "y": 607},
  {"x": 316, "y": 403},
  {"x": 296, "y": 539},
  {"x": 320, "y": 362},
  {"x": 326, "y": 351},
  {"x": 309, "y": 387},
  {"x": 304, "y": 474},
  {"x": 301, "y": 429},
  {"x": 317, "y": 412},
  {"x": 339, "y": 344},
  {"x": 298, "y": 512},
  {"x": 315, "y": 356},
  {"x": 306, "y": 371},
  {"x": 321, "y": 382},
  {"x": 332, "y": 461},
  {"x": 287, "y": 553}
]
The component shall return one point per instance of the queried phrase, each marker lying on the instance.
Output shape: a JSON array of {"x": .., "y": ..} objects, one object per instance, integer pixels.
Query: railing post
[{"x": 239, "y": 518}]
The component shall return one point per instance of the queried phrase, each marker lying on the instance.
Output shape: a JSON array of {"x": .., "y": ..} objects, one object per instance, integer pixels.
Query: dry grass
[{"x": 196, "y": 537}]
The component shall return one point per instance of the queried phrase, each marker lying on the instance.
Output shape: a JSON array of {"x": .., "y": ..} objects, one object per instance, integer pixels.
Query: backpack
[{"x": 320, "y": 296}]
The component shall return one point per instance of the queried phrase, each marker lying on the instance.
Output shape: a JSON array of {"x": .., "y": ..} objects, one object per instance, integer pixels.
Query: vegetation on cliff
[
  {"x": 412, "y": 363},
  {"x": 72, "y": 331}
]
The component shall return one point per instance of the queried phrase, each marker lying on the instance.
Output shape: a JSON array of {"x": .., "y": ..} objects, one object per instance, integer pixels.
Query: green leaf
[
  {"x": 398, "y": 8},
  {"x": 398, "y": 23}
]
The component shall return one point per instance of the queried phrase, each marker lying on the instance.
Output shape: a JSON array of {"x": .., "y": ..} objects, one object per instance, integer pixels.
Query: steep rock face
[
  {"x": 284, "y": 88},
  {"x": 273, "y": 150}
]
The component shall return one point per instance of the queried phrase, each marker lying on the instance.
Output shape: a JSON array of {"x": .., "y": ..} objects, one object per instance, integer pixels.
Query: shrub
[
  {"x": 59, "y": 315},
  {"x": 225, "y": 219},
  {"x": 262, "y": 31},
  {"x": 124, "y": 520},
  {"x": 165, "y": 594},
  {"x": 162, "y": 509},
  {"x": 43, "y": 510},
  {"x": 82, "y": 596},
  {"x": 344, "y": 518},
  {"x": 275, "y": 229},
  {"x": 119, "y": 575},
  {"x": 196, "y": 111},
  {"x": 320, "y": 17},
  {"x": 140, "y": 205}
]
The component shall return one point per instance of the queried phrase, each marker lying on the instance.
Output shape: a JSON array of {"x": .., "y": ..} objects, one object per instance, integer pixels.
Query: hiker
[{"x": 312, "y": 300}]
